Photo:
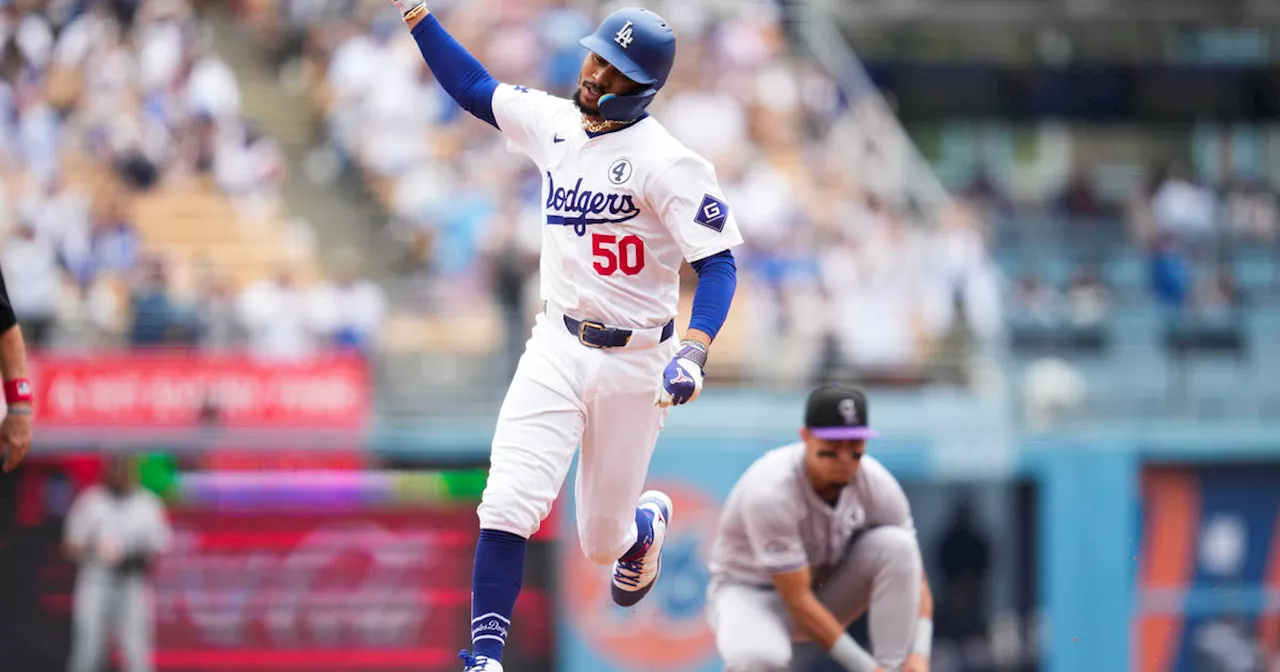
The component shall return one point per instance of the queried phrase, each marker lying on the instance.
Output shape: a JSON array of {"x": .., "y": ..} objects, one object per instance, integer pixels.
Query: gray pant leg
[
  {"x": 751, "y": 626},
  {"x": 134, "y": 625},
  {"x": 882, "y": 571},
  {"x": 89, "y": 618}
]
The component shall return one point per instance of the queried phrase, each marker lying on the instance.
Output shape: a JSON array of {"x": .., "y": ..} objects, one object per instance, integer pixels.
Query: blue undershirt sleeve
[
  {"x": 717, "y": 281},
  {"x": 459, "y": 73}
]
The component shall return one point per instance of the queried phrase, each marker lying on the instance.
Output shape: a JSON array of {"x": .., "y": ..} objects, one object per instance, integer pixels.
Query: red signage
[
  {"x": 325, "y": 591},
  {"x": 262, "y": 582},
  {"x": 185, "y": 389}
]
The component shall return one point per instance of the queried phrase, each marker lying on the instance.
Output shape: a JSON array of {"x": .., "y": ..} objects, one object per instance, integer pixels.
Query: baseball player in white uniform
[
  {"x": 625, "y": 204},
  {"x": 114, "y": 531},
  {"x": 812, "y": 536}
]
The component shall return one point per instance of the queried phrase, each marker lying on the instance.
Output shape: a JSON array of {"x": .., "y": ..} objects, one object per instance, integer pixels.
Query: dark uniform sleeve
[{"x": 7, "y": 318}]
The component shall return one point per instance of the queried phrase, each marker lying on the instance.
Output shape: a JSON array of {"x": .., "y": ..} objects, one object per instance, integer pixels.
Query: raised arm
[{"x": 459, "y": 73}]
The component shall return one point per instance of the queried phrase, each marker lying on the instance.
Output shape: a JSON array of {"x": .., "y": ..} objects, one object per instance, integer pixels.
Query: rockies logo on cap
[
  {"x": 849, "y": 411},
  {"x": 837, "y": 412}
]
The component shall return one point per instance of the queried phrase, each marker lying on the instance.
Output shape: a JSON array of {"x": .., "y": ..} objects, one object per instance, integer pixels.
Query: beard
[{"x": 582, "y": 107}]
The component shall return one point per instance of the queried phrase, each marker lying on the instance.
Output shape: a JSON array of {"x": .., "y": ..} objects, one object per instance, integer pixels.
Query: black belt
[{"x": 596, "y": 335}]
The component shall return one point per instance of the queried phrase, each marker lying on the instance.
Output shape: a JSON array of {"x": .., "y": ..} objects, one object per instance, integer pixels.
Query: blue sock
[
  {"x": 495, "y": 583},
  {"x": 644, "y": 535}
]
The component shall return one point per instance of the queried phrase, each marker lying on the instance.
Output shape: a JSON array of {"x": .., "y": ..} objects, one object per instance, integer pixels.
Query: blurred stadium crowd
[
  {"x": 826, "y": 206},
  {"x": 144, "y": 208},
  {"x": 140, "y": 207}
]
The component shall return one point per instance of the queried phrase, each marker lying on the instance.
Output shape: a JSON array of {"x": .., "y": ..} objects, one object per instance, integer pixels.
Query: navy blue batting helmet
[{"x": 642, "y": 47}]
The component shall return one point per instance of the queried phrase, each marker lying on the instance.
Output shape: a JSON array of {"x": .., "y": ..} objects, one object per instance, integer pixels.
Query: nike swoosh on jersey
[{"x": 557, "y": 138}]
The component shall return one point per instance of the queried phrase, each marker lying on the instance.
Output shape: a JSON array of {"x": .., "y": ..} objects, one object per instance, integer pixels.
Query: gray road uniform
[
  {"x": 862, "y": 552},
  {"x": 108, "y": 598}
]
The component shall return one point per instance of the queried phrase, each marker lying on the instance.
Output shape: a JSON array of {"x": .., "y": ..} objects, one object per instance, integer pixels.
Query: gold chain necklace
[{"x": 602, "y": 125}]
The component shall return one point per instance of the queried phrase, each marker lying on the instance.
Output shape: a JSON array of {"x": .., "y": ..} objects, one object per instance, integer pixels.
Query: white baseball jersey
[
  {"x": 133, "y": 523},
  {"x": 774, "y": 521},
  {"x": 621, "y": 210}
]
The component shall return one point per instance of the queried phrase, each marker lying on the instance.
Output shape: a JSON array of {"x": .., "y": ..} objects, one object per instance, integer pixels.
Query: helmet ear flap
[{"x": 625, "y": 108}]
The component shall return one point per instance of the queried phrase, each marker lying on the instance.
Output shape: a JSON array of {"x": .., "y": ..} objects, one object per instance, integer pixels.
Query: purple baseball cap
[{"x": 837, "y": 412}]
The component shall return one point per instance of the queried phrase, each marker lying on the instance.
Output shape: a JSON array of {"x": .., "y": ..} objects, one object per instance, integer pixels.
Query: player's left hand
[
  {"x": 15, "y": 439},
  {"x": 682, "y": 379},
  {"x": 916, "y": 663},
  {"x": 404, "y": 6}
]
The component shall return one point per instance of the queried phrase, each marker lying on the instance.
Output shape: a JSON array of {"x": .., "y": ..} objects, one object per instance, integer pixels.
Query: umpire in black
[{"x": 15, "y": 430}]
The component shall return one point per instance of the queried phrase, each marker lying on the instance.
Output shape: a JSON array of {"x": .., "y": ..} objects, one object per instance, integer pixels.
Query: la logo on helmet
[{"x": 623, "y": 37}]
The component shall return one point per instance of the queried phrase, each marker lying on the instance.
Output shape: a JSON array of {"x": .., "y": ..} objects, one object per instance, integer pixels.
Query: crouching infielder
[{"x": 814, "y": 534}]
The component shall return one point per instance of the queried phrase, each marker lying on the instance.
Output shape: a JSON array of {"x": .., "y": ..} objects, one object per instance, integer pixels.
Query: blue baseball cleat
[
  {"x": 479, "y": 663},
  {"x": 632, "y": 579}
]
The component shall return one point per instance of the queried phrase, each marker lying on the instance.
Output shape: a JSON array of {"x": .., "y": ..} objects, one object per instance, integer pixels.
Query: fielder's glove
[
  {"x": 134, "y": 564},
  {"x": 682, "y": 379}
]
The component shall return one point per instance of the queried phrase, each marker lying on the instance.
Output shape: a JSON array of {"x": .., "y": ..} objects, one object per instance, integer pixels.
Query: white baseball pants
[
  {"x": 104, "y": 603},
  {"x": 881, "y": 572},
  {"x": 565, "y": 394}
]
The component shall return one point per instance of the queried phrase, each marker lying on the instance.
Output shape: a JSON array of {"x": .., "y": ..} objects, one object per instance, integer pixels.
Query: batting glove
[
  {"x": 682, "y": 379},
  {"x": 410, "y": 9}
]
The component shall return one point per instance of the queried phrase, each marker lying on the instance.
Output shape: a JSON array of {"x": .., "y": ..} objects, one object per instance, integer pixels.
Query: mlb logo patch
[{"x": 713, "y": 213}]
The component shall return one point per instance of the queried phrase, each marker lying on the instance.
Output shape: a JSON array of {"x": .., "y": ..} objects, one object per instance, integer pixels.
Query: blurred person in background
[
  {"x": 1078, "y": 200},
  {"x": 964, "y": 558},
  {"x": 1171, "y": 279},
  {"x": 1183, "y": 206},
  {"x": 959, "y": 277},
  {"x": 1219, "y": 301},
  {"x": 1250, "y": 211},
  {"x": 868, "y": 275},
  {"x": 114, "y": 533},
  {"x": 60, "y": 213},
  {"x": 32, "y": 260},
  {"x": 1088, "y": 300},
  {"x": 155, "y": 312},
  {"x": 250, "y": 168},
  {"x": 15, "y": 430},
  {"x": 511, "y": 255},
  {"x": 276, "y": 315},
  {"x": 212, "y": 89},
  {"x": 103, "y": 311},
  {"x": 348, "y": 310},
  {"x": 1034, "y": 304},
  {"x": 217, "y": 323},
  {"x": 114, "y": 241},
  {"x": 987, "y": 196},
  {"x": 39, "y": 132}
]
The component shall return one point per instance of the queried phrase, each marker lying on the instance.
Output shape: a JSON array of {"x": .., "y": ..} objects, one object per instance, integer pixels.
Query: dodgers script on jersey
[
  {"x": 775, "y": 522},
  {"x": 621, "y": 210}
]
